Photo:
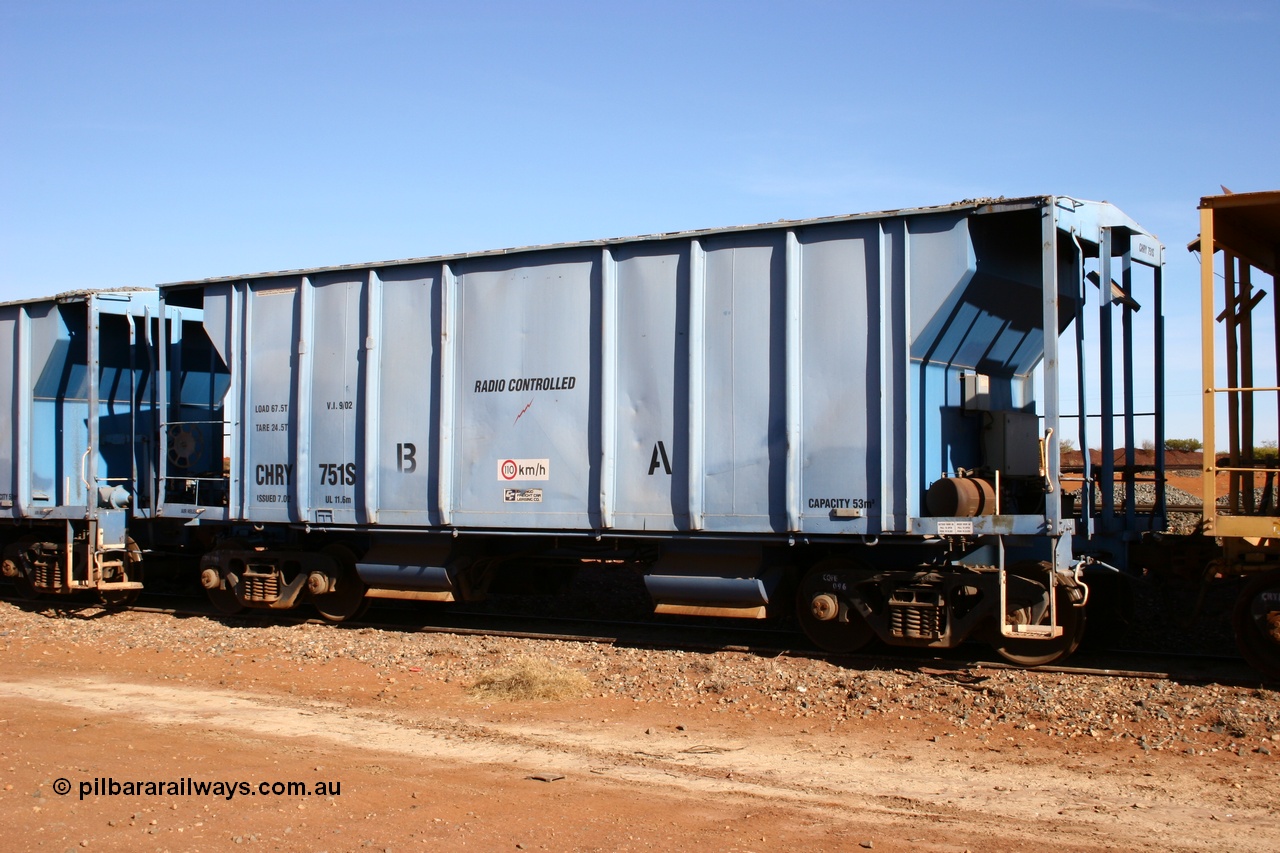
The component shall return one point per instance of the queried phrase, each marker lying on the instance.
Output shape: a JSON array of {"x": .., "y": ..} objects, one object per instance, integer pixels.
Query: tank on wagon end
[{"x": 837, "y": 416}]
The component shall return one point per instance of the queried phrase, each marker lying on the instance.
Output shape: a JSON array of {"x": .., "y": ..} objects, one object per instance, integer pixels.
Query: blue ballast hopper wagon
[{"x": 838, "y": 416}]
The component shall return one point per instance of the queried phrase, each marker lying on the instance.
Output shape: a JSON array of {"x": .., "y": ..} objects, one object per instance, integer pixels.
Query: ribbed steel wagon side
[{"x": 838, "y": 411}]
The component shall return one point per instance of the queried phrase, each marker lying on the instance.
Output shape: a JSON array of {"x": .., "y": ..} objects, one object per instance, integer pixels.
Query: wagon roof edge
[{"x": 993, "y": 204}]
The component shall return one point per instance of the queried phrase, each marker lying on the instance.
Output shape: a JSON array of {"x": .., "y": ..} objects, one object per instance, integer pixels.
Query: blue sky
[{"x": 143, "y": 142}]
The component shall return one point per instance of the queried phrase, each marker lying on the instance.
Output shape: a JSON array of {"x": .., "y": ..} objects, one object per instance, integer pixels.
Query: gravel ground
[
  {"x": 1150, "y": 715},
  {"x": 1186, "y": 522},
  {"x": 1145, "y": 714},
  {"x": 664, "y": 749}
]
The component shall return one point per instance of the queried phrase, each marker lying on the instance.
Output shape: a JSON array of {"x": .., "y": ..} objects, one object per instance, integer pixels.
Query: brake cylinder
[{"x": 961, "y": 497}]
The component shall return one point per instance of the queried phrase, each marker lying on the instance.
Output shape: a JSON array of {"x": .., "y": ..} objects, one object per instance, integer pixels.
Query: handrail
[{"x": 1241, "y": 390}]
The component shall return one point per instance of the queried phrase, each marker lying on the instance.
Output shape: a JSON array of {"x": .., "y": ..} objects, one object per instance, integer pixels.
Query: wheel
[
  {"x": 23, "y": 586},
  {"x": 822, "y": 606},
  {"x": 347, "y": 600},
  {"x": 1028, "y": 604},
  {"x": 1256, "y": 619},
  {"x": 131, "y": 570},
  {"x": 225, "y": 600}
]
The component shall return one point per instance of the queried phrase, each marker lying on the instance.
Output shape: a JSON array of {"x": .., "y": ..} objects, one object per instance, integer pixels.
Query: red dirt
[{"x": 425, "y": 765}]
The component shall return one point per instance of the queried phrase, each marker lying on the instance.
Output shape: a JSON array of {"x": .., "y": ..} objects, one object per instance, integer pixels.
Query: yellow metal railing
[{"x": 1230, "y": 226}]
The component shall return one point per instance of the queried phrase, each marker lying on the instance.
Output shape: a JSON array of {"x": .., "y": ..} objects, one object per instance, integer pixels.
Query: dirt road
[{"x": 668, "y": 750}]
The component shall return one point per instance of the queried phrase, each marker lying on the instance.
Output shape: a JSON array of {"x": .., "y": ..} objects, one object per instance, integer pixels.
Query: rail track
[{"x": 709, "y": 636}]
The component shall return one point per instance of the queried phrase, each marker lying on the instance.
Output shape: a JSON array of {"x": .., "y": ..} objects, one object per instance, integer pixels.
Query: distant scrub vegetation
[{"x": 1268, "y": 451}]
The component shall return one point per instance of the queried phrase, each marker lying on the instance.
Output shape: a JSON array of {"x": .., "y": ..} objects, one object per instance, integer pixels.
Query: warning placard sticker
[
  {"x": 955, "y": 528},
  {"x": 524, "y": 469}
]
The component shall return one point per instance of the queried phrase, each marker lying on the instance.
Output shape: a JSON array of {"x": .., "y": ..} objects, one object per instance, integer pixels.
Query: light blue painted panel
[
  {"x": 59, "y": 438},
  {"x": 652, "y": 401},
  {"x": 9, "y": 390},
  {"x": 745, "y": 418},
  {"x": 218, "y": 320},
  {"x": 898, "y": 456},
  {"x": 335, "y": 347},
  {"x": 59, "y": 432},
  {"x": 271, "y": 343},
  {"x": 408, "y": 368},
  {"x": 942, "y": 261},
  {"x": 840, "y": 376},
  {"x": 528, "y": 339}
]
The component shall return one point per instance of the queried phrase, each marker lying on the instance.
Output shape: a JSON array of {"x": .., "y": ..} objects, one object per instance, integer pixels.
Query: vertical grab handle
[{"x": 1044, "y": 459}]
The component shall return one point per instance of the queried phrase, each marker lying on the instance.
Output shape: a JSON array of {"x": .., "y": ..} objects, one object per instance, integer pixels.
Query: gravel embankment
[
  {"x": 1182, "y": 506},
  {"x": 979, "y": 703}
]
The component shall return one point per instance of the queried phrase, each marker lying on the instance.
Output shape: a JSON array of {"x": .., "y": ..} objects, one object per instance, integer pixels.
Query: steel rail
[{"x": 1235, "y": 671}]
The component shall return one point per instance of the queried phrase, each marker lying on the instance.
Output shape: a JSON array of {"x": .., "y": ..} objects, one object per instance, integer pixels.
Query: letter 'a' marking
[{"x": 659, "y": 450}]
